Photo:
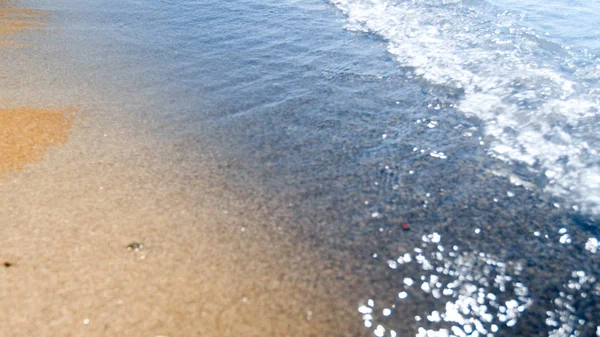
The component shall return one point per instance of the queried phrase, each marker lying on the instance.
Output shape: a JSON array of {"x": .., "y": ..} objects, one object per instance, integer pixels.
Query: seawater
[{"x": 536, "y": 93}]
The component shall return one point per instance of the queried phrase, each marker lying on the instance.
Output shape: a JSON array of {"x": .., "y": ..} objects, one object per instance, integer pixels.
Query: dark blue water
[{"x": 462, "y": 119}]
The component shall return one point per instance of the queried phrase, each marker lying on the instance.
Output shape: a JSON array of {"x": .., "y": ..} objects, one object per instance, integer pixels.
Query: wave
[{"x": 539, "y": 99}]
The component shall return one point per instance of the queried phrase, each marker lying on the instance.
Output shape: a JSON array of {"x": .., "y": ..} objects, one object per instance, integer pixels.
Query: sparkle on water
[{"x": 474, "y": 294}]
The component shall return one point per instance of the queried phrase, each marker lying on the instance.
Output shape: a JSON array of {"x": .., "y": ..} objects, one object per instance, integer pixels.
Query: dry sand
[{"x": 106, "y": 230}]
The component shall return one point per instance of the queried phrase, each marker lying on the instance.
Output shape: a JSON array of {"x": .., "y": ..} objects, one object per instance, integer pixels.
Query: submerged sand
[
  {"x": 107, "y": 230},
  {"x": 14, "y": 20}
]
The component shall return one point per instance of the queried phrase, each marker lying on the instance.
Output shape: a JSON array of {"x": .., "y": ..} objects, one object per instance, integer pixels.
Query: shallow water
[{"x": 289, "y": 149}]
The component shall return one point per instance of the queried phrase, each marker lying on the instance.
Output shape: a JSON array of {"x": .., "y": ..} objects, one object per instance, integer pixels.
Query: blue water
[
  {"x": 530, "y": 73},
  {"x": 573, "y": 24},
  {"x": 476, "y": 122}
]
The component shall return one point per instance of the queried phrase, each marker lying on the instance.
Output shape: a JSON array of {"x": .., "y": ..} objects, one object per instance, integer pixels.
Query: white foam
[{"x": 534, "y": 111}]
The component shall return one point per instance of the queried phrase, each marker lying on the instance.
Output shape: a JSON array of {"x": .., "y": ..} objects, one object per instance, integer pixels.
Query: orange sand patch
[
  {"x": 14, "y": 20},
  {"x": 26, "y": 133}
]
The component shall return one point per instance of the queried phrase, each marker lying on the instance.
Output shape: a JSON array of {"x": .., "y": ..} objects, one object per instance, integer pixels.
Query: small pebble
[{"x": 135, "y": 246}]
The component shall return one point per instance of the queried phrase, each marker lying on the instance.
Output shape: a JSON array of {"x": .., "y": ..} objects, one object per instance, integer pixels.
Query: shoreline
[{"x": 77, "y": 196}]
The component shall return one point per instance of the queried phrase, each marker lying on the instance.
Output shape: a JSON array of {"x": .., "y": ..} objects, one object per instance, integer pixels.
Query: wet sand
[{"x": 109, "y": 231}]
